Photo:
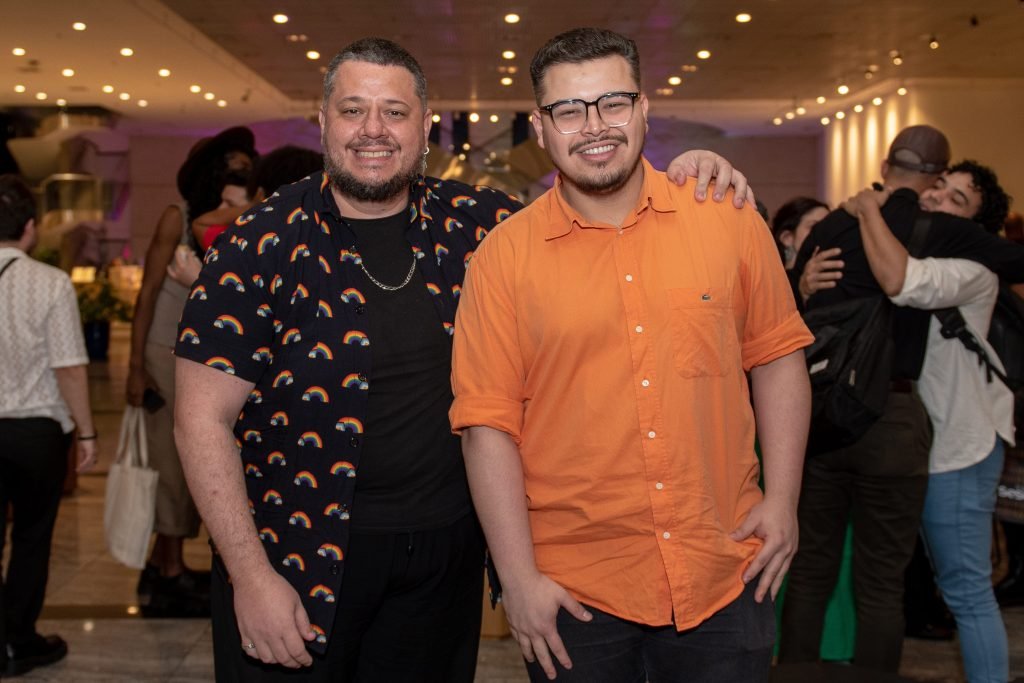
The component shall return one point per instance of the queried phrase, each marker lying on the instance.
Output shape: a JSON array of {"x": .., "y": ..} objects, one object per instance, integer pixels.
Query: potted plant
[{"x": 98, "y": 305}]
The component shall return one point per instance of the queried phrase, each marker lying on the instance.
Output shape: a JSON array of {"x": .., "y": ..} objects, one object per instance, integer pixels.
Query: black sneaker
[
  {"x": 180, "y": 597},
  {"x": 147, "y": 579},
  {"x": 39, "y": 651}
]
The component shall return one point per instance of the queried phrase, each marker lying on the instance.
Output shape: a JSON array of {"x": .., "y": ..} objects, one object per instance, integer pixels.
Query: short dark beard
[
  {"x": 608, "y": 183},
  {"x": 350, "y": 186}
]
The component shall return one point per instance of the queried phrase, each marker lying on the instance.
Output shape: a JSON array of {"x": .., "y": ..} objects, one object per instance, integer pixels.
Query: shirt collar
[
  {"x": 655, "y": 193},
  {"x": 416, "y": 192},
  {"x": 11, "y": 252}
]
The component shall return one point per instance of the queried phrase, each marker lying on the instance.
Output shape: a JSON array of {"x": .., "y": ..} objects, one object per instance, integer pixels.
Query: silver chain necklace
[{"x": 387, "y": 288}]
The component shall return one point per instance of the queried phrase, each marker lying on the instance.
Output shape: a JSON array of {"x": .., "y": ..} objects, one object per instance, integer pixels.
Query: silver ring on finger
[{"x": 249, "y": 646}]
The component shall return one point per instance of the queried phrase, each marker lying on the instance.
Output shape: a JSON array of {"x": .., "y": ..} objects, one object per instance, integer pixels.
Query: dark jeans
[
  {"x": 409, "y": 609},
  {"x": 33, "y": 462},
  {"x": 734, "y": 645},
  {"x": 880, "y": 483}
]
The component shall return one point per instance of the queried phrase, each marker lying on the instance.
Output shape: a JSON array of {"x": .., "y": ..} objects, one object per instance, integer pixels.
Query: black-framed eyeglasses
[{"x": 570, "y": 116}]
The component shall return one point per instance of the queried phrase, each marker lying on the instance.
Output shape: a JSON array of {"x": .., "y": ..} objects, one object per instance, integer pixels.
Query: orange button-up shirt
[{"x": 615, "y": 359}]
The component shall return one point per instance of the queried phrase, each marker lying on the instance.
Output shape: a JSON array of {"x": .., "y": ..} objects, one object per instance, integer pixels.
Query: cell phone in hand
[{"x": 152, "y": 401}]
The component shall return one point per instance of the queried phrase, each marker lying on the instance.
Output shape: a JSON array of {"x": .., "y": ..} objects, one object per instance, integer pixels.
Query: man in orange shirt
[{"x": 599, "y": 372}]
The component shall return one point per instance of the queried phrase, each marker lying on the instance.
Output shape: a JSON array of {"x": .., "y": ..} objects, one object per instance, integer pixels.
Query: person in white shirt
[
  {"x": 44, "y": 396},
  {"x": 971, "y": 412}
]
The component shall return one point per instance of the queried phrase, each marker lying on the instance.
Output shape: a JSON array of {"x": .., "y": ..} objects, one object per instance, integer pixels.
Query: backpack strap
[
  {"x": 919, "y": 235},
  {"x": 954, "y": 325}
]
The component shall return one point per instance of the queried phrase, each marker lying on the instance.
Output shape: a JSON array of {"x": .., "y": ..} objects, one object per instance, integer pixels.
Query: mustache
[
  {"x": 386, "y": 143},
  {"x": 616, "y": 137}
]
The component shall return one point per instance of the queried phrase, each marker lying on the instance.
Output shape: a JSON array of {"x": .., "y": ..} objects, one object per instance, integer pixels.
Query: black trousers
[
  {"x": 409, "y": 609},
  {"x": 33, "y": 463},
  {"x": 880, "y": 483}
]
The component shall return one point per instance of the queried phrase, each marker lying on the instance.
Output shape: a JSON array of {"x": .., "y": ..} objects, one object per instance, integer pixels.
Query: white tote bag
[{"x": 131, "y": 494}]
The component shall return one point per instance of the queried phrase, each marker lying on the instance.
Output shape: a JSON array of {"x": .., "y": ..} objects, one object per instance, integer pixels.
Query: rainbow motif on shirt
[
  {"x": 291, "y": 336},
  {"x": 252, "y": 435},
  {"x": 323, "y": 184},
  {"x": 330, "y": 551},
  {"x": 239, "y": 242},
  {"x": 255, "y": 396},
  {"x": 337, "y": 511},
  {"x": 501, "y": 214},
  {"x": 211, "y": 255},
  {"x": 425, "y": 214},
  {"x": 450, "y": 224},
  {"x": 300, "y": 293},
  {"x": 350, "y": 257},
  {"x": 311, "y": 439},
  {"x": 188, "y": 336},
  {"x": 322, "y": 592},
  {"x": 257, "y": 280},
  {"x": 353, "y": 296},
  {"x": 321, "y": 351},
  {"x": 231, "y": 280},
  {"x": 229, "y": 322},
  {"x": 355, "y": 337},
  {"x": 284, "y": 378},
  {"x": 242, "y": 220},
  {"x": 343, "y": 467},
  {"x": 279, "y": 419},
  {"x": 252, "y": 471},
  {"x": 222, "y": 364},
  {"x": 198, "y": 292},
  {"x": 324, "y": 228},
  {"x": 433, "y": 289},
  {"x": 268, "y": 240},
  {"x": 456, "y": 290},
  {"x": 264, "y": 311},
  {"x": 296, "y": 215},
  {"x": 417, "y": 252},
  {"x": 352, "y": 381},
  {"x": 300, "y": 251},
  {"x": 321, "y": 637},
  {"x": 305, "y": 478},
  {"x": 272, "y": 496},
  {"x": 440, "y": 250},
  {"x": 262, "y": 354},
  {"x": 480, "y": 233},
  {"x": 349, "y": 424},
  {"x": 466, "y": 259},
  {"x": 323, "y": 310},
  {"x": 300, "y": 518},
  {"x": 276, "y": 458},
  {"x": 323, "y": 264},
  {"x": 316, "y": 395},
  {"x": 275, "y": 283},
  {"x": 463, "y": 200},
  {"x": 294, "y": 560},
  {"x": 269, "y": 535},
  {"x": 412, "y": 211}
]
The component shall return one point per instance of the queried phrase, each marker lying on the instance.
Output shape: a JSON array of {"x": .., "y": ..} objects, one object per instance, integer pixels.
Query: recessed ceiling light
[
  {"x": 466, "y": 146},
  {"x": 19, "y": 88},
  {"x": 674, "y": 80},
  {"x": 62, "y": 102},
  {"x": 897, "y": 60},
  {"x": 296, "y": 37},
  {"x": 67, "y": 73},
  {"x": 704, "y": 54},
  {"x": 843, "y": 89},
  {"x": 208, "y": 96},
  {"x": 877, "y": 101},
  {"x": 901, "y": 92},
  {"x": 79, "y": 26},
  {"x": 508, "y": 54},
  {"x": 665, "y": 91},
  {"x": 436, "y": 118},
  {"x": 858, "y": 108},
  {"x": 512, "y": 69},
  {"x": 840, "y": 115},
  {"x": 18, "y": 52},
  {"x": 777, "y": 121},
  {"x": 506, "y": 81},
  {"x": 127, "y": 52},
  {"x": 824, "y": 120},
  {"x": 124, "y": 97},
  {"x": 494, "y": 118},
  {"x": 194, "y": 88},
  {"x": 40, "y": 96},
  {"x": 474, "y": 117},
  {"x": 933, "y": 43},
  {"x": 790, "y": 115},
  {"x": 164, "y": 73},
  {"x": 108, "y": 88},
  {"x": 462, "y": 157},
  {"x": 280, "y": 18},
  {"x": 743, "y": 18},
  {"x": 312, "y": 54},
  {"x": 800, "y": 111},
  {"x": 689, "y": 68},
  {"x": 143, "y": 103},
  {"x": 821, "y": 99},
  {"x": 511, "y": 18},
  {"x": 222, "y": 103}
]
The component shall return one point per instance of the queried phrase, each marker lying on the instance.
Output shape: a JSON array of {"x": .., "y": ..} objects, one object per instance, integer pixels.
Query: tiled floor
[{"x": 91, "y": 598}]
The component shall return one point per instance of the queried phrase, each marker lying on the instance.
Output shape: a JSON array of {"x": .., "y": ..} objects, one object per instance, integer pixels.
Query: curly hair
[{"x": 995, "y": 203}]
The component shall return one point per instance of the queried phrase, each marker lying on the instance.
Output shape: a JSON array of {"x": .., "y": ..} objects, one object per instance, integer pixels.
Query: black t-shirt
[
  {"x": 411, "y": 474},
  {"x": 948, "y": 237}
]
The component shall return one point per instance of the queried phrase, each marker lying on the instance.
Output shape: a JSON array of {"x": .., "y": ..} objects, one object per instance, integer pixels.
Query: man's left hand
[
  {"x": 776, "y": 525},
  {"x": 705, "y": 166}
]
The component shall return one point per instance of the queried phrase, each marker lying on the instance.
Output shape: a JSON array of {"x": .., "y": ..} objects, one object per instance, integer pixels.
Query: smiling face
[
  {"x": 373, "y": 131},
  {"x": 599, "y": 159},
  {"x": 953, "y": 193}
]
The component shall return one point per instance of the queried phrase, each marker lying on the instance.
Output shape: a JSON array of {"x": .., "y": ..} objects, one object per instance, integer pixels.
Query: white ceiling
[{"x": 792, "y": 51}]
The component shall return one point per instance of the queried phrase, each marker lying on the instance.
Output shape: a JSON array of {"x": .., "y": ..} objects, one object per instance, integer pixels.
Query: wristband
[{"x": 88, "y": 437}]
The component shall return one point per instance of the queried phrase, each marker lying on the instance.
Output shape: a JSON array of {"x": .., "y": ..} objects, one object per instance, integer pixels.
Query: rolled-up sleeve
[
  {"x": 932, "y": 283},
  {"x": 487, "y": 363}
]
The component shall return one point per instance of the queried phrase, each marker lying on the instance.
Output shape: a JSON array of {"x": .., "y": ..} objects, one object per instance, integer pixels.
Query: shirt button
[
  {"x": 335, "y": 569},
  {"x": 645, "y": 383},
  {"x": 629, "y": 278},
  {"x": 639, "y": 329},
  {"x": 666, "y": 535},
  {"x": 659, "y": 486},
  {"x": 360, "y": 309},
  {"x": 353, "y": 442},
  {"x": 651, "y": 434}
]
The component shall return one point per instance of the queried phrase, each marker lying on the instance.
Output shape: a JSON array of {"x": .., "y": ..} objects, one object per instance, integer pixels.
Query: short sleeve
[
  {"x": 228, "y": 321},
  {"x": 932, "y": 283},
  {"x": 65, "y": 344}
]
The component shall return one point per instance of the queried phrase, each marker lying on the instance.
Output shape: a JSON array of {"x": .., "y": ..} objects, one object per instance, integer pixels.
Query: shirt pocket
[{"x": 703, "y": 331}]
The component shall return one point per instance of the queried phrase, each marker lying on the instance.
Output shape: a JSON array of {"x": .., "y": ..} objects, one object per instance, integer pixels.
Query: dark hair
[
  {"x": 995, "y": 203},
  {"x": 17, "y": 207},
  {"x": 379, "y": 51},
  {"x": 789, "y": 216},
  {"x": 283, "y": 166},
  {"x": 582, "y": 45}
]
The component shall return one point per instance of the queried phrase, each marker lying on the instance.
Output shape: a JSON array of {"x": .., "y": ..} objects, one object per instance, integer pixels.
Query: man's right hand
[
  {"x": 822, "y": 271},
  {"x": 531, "y": 608},
  {"x": 271, "y": 617},
  {"x": 135, "y": 388}
]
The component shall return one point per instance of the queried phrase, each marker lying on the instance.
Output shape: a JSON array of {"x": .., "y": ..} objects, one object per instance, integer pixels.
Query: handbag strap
[
  {"x": 7, "y": 265},
  {"x": 132, "y": 447}
]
